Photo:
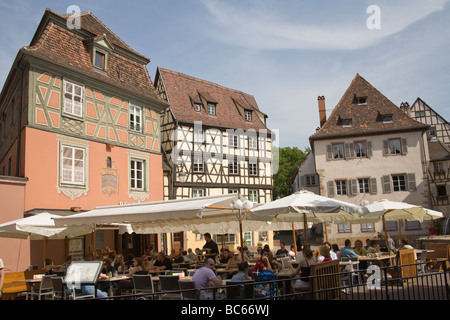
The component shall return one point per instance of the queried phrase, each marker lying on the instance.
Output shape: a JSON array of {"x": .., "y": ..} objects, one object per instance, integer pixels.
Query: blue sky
[{"x": 285, "y": 52}]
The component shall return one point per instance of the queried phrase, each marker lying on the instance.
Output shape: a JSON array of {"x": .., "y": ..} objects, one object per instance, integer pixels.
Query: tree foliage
[{"x": 289, "y": 160}]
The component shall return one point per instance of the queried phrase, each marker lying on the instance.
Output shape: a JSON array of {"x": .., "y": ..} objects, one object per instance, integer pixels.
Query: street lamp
[{"x": 242, "y": 209}]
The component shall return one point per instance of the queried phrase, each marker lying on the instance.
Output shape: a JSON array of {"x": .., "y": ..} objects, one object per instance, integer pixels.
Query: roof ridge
[{"x": 205, "y": 81}]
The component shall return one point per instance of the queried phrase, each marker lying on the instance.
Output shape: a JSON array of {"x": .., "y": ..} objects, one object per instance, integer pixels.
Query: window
[
  {"x": 441, "y": 191},
  {"x": 211, "y": 109},
  {"x": 233, "y": 191},
  {"x": 198, "y": 165},
  {"x": 137, "y": 174},
  {"x": 13, "y": 105},
  {"x": 419, "y": 114},
  {"x": 253, "y": 196},
  {"x": 362, "y": 100},
  {"x": 100, "y": 60},
  {"x": 346, "y": 122},
  {"x": 363, "y": 185},
  {"x": 252, "y": 143},
  {"x": 438, "y": 166},
  {"x": 9, "y": 166},
  {"x": 341, "y": 187},
  {"x": 73, "y": 101},
  {"x": 233, "y": 140},
  {"x": 344, "y": 228},
  {"x": 395, "y": 146},
  {"x": 196, "y": 193},
  {"x": 135, "y": 118},
  {"x": 248, "y": 115},
  {"x": 367, "y": 227},
  {"x": 225, "y": 238},
  {"x": 233, "y": 167},
  {"x": 73, "y": 164},
  {"x": 338, "y": 151},
  {"x": 387, "y": 118},
  {"x": 108, "y": 162},
  {"x": 391, "y": 226},
  {"x": 197, "y": 107},
  {"x": 253, "y": 169},
  {"x": 399, "y": 182},
  {"x": 311, "y": 180},
  {"x": 360, "y": 149},
  {"x": 432, "y": 132}
]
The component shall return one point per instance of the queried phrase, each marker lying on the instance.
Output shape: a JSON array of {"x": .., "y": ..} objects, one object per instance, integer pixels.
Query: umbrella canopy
[
  {"x": 305, "y": 206},
  {"x": 393, "y": 211},
  {"x": 38, "y": 226},
  {"x": 168, "y": 216}
]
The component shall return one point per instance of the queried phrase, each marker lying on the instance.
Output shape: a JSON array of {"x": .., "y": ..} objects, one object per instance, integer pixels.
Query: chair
[
  {"x": 285, "y": 261},
  {"x": 192, "y": 294},
  {"x": 58, "y": 287},
  {"x": 143, "y": 283},
  {"x": 422, "y": 262},
  {"x": 406, "y": 261},
  {"x": 352, "y": 269},
  {"x": 45, "y": 288},
  {"x": 240, "y": 290},
  {"x": 326, "y": 276},
  {"x": 167, "y": 284}
]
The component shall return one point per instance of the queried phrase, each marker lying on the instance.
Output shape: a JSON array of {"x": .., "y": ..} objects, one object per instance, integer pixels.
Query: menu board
[{"x": 83, "y": 272}]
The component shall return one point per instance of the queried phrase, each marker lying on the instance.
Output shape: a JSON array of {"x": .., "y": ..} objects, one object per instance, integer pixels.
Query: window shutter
[
  {"x": 404, "y": 146},
  {"x": 385, "y": 147},
  {"x": 411, "y": 181},
  {"x": 329, "y": 152},
  {"x": 349, "y": 150},
  {"x": 330, "y": 188},
  {"x": 386, "y": 182},
  {"x": 373, "y": 186},
  {"x": 353, "y": 186},
  {"x": 302, "y": 181},
  {"x": 369, "y": 149}
]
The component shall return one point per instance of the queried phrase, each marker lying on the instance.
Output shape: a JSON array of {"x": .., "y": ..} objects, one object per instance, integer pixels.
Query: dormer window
[
  {"x": 211, "y": 109},
  {"x": 346, "y": 122},
  {"x": 100, "y": 60},
  {"x": 197, "y": 107},
  {"x": 361, "y": 100},
  {"x": 387, "y": 118},
  {"x": 248, "y": 115}
]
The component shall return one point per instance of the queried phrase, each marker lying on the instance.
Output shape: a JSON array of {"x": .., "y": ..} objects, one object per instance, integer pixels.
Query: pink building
[{"x": 80, "y": 125}]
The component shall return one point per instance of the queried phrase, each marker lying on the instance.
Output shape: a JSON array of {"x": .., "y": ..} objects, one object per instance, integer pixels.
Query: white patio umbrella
[
  {"x": 386, "y": 210},
  {"x": 38, "y": 226},
  {"x": 305, "y": 206}
]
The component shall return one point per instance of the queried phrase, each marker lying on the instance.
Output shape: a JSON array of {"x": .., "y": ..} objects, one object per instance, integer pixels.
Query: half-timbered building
[{"x": 215, "y": 141}]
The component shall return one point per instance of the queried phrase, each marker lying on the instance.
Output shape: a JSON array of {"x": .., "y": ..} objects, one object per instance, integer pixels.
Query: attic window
[
  {"x": 197, "y": 107},
  {"x": 212, "y": 109},
  {"x": 346, "y": 122},
  {"x": 387, "y": 118},
  {"x": 99, "y": 59},
  {"x": 361, "y": 100},
  {"x": 248, "y": 115}
]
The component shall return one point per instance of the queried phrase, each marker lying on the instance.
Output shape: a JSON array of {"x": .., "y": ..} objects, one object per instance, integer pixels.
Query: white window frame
[
  {"x": 198, "y": 165},
  {"x": 71, "y": 105},
  {"x": 253, "y": 195},
  {"x": 338, "y": 151},
  {"x": 252, "y": 143},
  {"x": 134, "y": 177},
  {"x": 344, "y": 227},
  {"x": 393, "y": 143},
  {"x": 197, "y": 193},
  {"x": 233, "y": 140},
  {"x": 135, "y": 119},
  {"x": 364, "y": 185},
  {"x": 398, "y": 184},
  {"x": 73, "y": 168},
  {"x": 212, "y": 109},
  {"x": 233, "y": 167},
  {"x": 248, "y": 115},
  {"x": 252, "y": 169},
  {"x": 360, "y": 149}
]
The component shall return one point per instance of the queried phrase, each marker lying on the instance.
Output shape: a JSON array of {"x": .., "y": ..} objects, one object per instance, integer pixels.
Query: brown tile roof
[
  {"x": 438, "y": 151},
  {"x": 365, "y": 119},
  {"x": 57, "y": 44},
  {"x": 182, "y": 90}
]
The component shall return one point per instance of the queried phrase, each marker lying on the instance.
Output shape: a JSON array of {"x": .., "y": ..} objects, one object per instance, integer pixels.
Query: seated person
[
  {"x": 205, "y": 277},
  {"x": 359, "y": 249},
  {"x": 404, "y": 245},
  {"x": 282, "y": 252},
  {"x": 264, "y": 263},
  {"x": 304, "y": 268},
  {"x": 224, "y": 257},
  {"x": 177, "y": 257},
  {"x": 243, "y": 272},
  {"x": 162, "y": 263}
]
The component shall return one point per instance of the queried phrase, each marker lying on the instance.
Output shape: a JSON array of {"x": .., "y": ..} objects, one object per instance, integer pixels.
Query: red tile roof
[
  {"x": 366, "y": 119},
  {"x": 54, "y": 42},
  {"x": 182, "y": 90}
]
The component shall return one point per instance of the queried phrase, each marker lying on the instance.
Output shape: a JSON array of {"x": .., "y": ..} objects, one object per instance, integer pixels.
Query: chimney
[{"x": 322, "y": 110}]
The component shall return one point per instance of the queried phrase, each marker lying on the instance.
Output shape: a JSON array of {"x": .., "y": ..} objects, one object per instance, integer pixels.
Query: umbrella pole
[
  {"x": 242, "y": 238},
  {"x": 385, "y": 232},
  {"x": 305, "y": 228},
  {"x": 295, "y": 239},
  {"x": 45, "y": 249},
  {"x": 326, "y": 231},
  {"x": 399, "y": 231}
]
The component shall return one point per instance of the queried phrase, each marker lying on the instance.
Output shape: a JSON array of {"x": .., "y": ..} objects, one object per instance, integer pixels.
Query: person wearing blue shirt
[{"x": 347, "y": 251}]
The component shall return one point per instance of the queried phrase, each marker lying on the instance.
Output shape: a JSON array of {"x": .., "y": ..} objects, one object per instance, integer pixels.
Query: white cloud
[{"x": 260, "y": 27}]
